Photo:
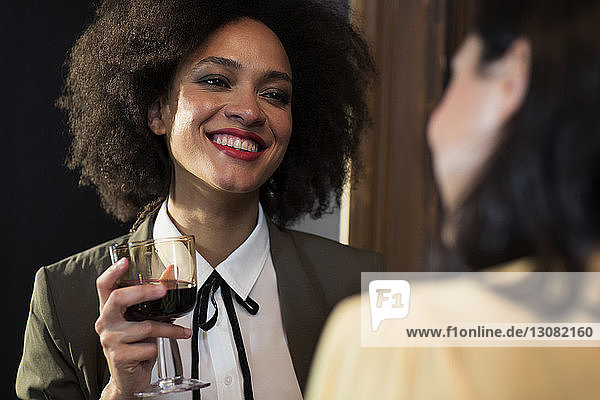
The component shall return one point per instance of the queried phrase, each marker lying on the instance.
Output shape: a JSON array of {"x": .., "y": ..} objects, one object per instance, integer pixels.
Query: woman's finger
[
  {"x": 139, "y": 331},
  {"x": 106, "y": 282},
  {"x": 119, "y": 299},
  {"x": 131, "y": 354},
  {"x": 170, "y": 273}
]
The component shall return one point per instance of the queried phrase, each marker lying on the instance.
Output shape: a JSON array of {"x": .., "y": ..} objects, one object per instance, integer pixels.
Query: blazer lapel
[{"x": 302, "y": 307}]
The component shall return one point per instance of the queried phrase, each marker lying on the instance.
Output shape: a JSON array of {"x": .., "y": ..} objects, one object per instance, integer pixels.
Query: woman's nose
[{"x": 245, "y": 109}]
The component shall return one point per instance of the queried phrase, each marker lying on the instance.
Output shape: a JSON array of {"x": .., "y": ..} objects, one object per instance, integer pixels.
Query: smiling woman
[
  {"x": 224, "y": 96},
  {"x": 226, "y": 120}
]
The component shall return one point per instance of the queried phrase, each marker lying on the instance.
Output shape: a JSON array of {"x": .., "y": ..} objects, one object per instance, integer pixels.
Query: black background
[{"x": 45, "y": 216}]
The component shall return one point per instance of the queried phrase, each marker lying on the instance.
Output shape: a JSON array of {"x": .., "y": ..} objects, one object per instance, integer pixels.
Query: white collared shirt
[{"x": 248, "y": 271}]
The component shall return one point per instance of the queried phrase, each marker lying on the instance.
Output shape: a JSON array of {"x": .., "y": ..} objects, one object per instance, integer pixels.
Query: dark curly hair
[
  {"x": 540, "y": 194},
  {"x": 127, "y": 56}
]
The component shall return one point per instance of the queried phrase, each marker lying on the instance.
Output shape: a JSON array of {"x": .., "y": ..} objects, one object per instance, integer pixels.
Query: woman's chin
[{"x": 237, "y": 188}]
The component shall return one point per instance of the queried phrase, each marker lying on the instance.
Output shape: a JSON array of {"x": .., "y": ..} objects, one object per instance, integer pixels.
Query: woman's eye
[
  {"x": 277, "y": 95},
  {"x": 215, "y": 81}
]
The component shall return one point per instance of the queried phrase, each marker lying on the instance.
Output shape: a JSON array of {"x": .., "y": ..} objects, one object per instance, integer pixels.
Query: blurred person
[
  {"x": 181, "y": 117},
  {"x": 515, "y": 145}
]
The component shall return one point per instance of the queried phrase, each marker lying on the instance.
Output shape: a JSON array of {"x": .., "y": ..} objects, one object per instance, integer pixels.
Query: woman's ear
[
  {"x": 156, "y": 120},
  {"x": 514, "y": 68}
]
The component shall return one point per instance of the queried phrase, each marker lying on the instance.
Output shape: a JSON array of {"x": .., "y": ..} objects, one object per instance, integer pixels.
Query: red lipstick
[{"x": 255, "y": 143}]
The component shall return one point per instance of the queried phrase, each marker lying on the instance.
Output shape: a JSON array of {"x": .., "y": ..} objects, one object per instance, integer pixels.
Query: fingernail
[
  {"x": 122, "y": 262},
  {"x": 187, "y": 332}
]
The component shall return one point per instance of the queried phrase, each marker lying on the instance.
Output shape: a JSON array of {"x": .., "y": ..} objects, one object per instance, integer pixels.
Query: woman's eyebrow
[
  {"x": 277, "y": 75},
  {"x": 233, "y": 64},
  {"x": 226, "y": 62}
]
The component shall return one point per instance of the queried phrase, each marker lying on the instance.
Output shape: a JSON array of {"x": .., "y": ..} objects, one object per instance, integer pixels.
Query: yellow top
[{"x": 342, "y": 369}]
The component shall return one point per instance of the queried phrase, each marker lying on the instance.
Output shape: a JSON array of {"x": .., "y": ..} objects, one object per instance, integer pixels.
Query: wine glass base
[{"x": 171, "y": 385}]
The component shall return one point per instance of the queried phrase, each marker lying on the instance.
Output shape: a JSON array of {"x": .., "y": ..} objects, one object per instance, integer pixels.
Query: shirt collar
[{"x": 242, "y": 268}]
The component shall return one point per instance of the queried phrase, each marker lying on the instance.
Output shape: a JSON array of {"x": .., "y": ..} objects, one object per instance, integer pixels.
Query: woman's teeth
[{"x": 235, "y": 142}]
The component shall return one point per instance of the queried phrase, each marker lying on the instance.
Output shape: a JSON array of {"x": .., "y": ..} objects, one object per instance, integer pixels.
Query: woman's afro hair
[{"x": 126, "y": 58}]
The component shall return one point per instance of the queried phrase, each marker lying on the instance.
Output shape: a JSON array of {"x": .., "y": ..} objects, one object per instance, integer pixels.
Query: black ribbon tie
[{"x": 206, "y": 294}]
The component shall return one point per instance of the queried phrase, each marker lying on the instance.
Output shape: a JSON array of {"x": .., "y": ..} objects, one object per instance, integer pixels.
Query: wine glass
[{"x": 170, "y": 262}]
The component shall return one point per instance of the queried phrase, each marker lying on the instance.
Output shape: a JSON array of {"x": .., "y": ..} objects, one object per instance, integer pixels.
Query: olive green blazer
[{"x": 62, "y": 356}]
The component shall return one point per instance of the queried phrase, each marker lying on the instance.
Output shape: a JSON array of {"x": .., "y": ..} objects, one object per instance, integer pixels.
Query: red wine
[{"x": 179, "y": 300}]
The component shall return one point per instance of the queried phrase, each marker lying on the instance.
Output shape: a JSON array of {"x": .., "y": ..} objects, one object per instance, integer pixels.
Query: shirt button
[{"x": 228, "y": 380}]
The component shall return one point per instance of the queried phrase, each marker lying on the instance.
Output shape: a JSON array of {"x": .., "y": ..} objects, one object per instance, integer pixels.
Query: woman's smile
[{"x": 238, "y": 143}]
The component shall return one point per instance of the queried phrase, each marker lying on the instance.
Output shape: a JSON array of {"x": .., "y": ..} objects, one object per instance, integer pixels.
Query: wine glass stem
[
  {"x": 176, "y": 358},
  {"x": 162, "y": 361}
]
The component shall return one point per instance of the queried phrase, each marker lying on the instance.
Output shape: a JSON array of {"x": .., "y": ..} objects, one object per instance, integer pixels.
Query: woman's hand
[{"x": 129, "y": 347}]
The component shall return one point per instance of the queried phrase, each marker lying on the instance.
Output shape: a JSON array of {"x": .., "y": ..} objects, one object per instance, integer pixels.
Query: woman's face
[
  {"x": 228, "y": 115},
  {"x": 465, "y": 127}
]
